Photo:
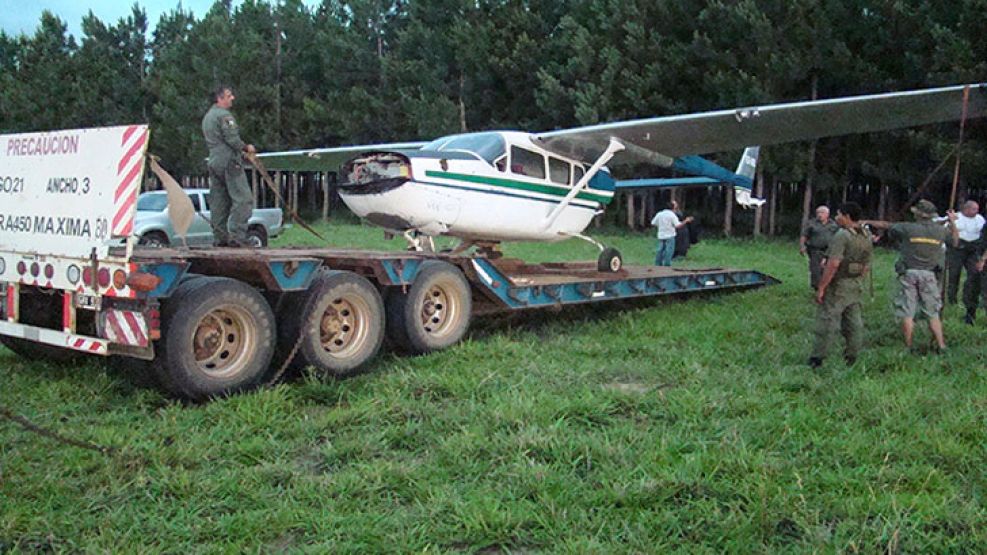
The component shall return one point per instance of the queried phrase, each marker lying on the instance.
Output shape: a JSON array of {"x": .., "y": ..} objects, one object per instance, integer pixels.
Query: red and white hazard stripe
[
  {"x": 129, "y": 168},
  {"x": 125, "y": 327},
  {"x": 84, "y": 344}
]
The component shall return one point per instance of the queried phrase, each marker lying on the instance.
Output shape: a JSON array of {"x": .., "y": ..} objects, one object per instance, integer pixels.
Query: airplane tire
[
  {"x": 609, "y": 260},
  {"x": 434, "y": 313},
  {"x": 340, "y": 320},
  {"x": 217, "y": 338}
]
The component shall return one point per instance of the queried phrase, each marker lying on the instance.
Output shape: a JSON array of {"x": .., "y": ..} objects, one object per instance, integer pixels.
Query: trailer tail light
[
  {"x": 49, "y": 271},
  {"x": 154, "y": 323},
  {"x": 21, "y": 268},
  {"x": 143, "y": 282},
  {"x": 35, "y": 269},
  {"x": 103, "y": 277},
  {"x": 3, "y": 266},
  {"x": 87, "y": 277},
  {"x": 73, "y": 273},
  {"x": 119, "y": 279}
]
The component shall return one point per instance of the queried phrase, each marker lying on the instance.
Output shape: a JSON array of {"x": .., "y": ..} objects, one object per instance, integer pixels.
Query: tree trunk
[
  {"x": 277, "y": 183},
  {"x": 773, "y": 207},
  {"x": 462, "y": 102},
  {"x": 630, "y": 210},
  {"x": 759, "y": 191},
  {"x": 277, "y": 80},
  {"x": 811, "y": 170},
  {"x": 882, "y": 203},
  {"x": 325, "y": 195},
  {"x": 728, "y": 212}
]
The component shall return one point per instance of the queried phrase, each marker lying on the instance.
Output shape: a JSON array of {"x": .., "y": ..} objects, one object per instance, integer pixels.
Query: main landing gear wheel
[
  {"x": 217, "y": 338},
  {"x": 339, "y": 321},
  {"x": 434, "y": 313},
  {"x": 609, "y": 260}
]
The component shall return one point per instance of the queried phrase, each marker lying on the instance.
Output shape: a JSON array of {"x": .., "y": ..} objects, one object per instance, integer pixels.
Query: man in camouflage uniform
[
  {"x": 841, "y": 287},
  {"x": 230, "y": 197},
  {"x": 815, "y": 238},
  {"x": 922, "y": 253}
]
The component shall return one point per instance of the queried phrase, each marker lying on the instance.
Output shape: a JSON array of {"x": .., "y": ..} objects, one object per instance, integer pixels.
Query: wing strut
[{"x": 614, "y": 147}]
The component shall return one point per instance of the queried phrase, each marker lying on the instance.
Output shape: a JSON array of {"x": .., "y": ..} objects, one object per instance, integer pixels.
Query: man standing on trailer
[
  {"x": 841, "y": 287},
  {"x": 815, "y": 238},
  {"x": 230, "y": 198}
]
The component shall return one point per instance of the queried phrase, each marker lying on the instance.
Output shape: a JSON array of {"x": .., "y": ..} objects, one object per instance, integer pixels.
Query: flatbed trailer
[
  {"x": 221, "y": 320},
  {"x": 215, "y": 321}
]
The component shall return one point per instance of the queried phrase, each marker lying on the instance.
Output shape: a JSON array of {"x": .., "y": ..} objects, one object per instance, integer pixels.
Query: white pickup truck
[{"x": 152, "y": 226}]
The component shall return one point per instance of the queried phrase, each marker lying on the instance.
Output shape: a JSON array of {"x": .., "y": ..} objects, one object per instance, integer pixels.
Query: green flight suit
[
  {"x": 817, "y": 237},
  {"x": 840, "y": 309},
  {"x": 230, "y": 197}
]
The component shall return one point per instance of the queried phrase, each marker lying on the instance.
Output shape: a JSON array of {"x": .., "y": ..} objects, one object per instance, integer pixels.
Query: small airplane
[{"x": 493, "y": 186}]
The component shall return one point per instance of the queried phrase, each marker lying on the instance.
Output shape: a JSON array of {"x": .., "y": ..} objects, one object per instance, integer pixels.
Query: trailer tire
[
  {"x": 169, "y": 306},
  {"x": 340, "y": 323},
  {"x": 217, "y": 338},
  {"x": 434, "y": 313}
]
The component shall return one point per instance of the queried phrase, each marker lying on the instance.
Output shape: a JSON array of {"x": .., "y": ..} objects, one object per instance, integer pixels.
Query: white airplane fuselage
[{"x": 485, "y": 196}]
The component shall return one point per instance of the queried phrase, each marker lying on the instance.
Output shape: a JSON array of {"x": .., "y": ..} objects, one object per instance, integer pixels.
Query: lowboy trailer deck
[
  {"x": 223, "y": 320},
  {"x": 217, "y": 321}
]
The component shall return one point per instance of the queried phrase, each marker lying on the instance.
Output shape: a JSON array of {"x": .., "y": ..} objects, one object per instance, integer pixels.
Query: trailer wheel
[
  {"x": 217, "y": 338},
  {"x": 169, "y": 308},
  {"x": 340, "y": 320},
  {"x": 609, "y": 260},
  {"x": 434, "y": 313}
]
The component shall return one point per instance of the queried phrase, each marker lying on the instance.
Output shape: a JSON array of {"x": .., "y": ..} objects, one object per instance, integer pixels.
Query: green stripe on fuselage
[{"x": 520, "y": 185}]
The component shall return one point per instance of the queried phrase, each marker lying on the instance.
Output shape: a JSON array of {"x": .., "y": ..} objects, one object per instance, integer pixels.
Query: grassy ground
[{"x": 660, "y": 426}]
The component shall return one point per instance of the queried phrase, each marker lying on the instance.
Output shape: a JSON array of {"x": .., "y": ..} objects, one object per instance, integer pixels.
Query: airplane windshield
[{"x": 488, "y": 146}]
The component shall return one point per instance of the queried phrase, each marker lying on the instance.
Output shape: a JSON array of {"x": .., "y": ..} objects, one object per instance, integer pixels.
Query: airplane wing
[
  {"x": 325, "y": 159},
  {"x": 660, "y": 140}
]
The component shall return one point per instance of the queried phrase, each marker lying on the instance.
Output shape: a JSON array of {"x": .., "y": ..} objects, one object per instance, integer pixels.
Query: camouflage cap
[{"x": 925, "y": 209}]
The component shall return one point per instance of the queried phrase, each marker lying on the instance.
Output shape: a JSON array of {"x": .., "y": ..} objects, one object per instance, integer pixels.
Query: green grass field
[{"x": 661, "y": 426}]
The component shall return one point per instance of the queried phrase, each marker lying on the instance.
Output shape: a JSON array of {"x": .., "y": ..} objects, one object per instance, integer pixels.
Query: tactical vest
[{"x": 856, "y": 257}]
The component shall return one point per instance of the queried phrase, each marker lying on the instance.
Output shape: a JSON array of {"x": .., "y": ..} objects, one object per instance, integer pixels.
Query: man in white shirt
[
  {"x": 668, "y": 224},
  {"x": 969, "y": 223}
]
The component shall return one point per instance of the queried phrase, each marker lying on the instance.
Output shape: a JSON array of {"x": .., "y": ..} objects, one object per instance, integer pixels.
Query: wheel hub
[
  {"x": 343, "y": 325},
  {"x": 223, "y": 341}
]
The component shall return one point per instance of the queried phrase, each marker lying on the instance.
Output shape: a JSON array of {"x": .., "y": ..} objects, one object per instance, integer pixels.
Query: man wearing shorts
[{"x": 921, "y": 247}]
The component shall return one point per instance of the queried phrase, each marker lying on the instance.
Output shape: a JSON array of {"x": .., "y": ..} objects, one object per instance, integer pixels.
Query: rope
[
  {"x": 266, "y": 178},
  {"x": 45, "y": 432},
  {"x": 959, "y": 144}
]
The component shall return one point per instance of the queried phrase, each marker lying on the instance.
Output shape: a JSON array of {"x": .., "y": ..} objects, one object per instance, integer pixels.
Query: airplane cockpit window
[
  {"x": 558, "y": 171},
  {"x": 488, "y": 146},
  {"x": 501, "y": 163},
  {"x": 578, "y": 174},
  {"x": 526, "y": 162}
]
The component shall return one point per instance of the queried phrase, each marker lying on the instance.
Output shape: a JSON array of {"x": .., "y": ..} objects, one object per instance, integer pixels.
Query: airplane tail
[
  {"x": 711, "y": 174},
  {"x": 744, "y": 183}
]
